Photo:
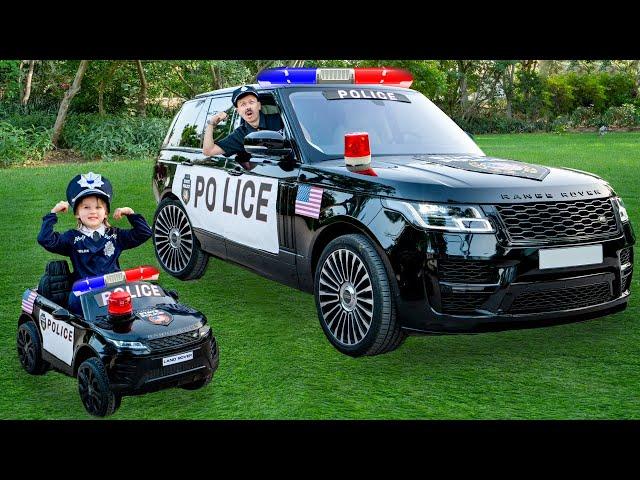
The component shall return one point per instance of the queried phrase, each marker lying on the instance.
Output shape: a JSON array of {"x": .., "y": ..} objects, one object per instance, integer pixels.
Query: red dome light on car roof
[{"x": 120, "y": 303}]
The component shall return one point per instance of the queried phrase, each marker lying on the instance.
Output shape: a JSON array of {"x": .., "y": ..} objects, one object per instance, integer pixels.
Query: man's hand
[
  {"x": 217, "y": 118},
  {"x": 60, "y": 207},
  {"x": 117, "y": 215}
]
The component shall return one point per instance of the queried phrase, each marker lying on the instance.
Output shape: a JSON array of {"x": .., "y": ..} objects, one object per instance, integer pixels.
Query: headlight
[
  {"x": 136, "y": 346},
  {"x": 204, "y": 331},
  {"x": 450, "y": 218},
  {"x": 624, "y": 216}
]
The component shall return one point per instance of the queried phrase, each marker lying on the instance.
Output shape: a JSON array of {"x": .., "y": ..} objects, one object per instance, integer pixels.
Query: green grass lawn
[{"x": 275, "y": 362}]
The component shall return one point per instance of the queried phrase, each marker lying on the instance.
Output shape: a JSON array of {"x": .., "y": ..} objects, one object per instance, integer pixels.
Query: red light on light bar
[
  {"x": 145, "y": 272},
  {"x": 356, "y": 144},
  {"x": 393, "y": 76}
]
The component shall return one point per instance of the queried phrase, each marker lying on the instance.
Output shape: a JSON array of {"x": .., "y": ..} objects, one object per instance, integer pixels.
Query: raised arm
[{"x": 209, "y": 147}]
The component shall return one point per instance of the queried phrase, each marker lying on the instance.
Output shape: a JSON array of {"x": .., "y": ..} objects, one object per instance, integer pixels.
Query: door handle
[{"x": 237, "y": 170}]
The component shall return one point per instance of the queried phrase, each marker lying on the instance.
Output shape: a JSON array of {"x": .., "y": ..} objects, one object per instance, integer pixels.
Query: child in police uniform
[{"x": 94, "y": 246}]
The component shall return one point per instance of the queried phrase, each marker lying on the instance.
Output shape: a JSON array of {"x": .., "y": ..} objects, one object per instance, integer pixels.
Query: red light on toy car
[
  {"x": 120, "y": 303},
  {"x": 390, "y": 76},
  {"x": 145, "y": 272},
  {"x": 357, "y": 145}
]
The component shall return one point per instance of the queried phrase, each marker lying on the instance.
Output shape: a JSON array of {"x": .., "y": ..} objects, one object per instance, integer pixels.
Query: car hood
[
  {"x": 429, "y": 178},
  {"x": 156, "y": 322}
]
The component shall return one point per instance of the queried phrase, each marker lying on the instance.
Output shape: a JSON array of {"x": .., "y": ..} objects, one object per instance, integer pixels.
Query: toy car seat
[{"x": 55, "y": 284}]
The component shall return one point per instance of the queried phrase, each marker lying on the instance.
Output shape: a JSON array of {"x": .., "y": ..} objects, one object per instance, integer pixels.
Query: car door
[
  {"x": 193, "y": 167},
  {"x": 258, "y": 194}
]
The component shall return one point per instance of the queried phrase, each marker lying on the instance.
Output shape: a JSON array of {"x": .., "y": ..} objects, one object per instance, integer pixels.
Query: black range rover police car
[{"x": 378, "y": 204}]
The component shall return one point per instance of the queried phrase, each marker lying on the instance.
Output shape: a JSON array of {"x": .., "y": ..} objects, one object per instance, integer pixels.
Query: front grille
[
  {"x": 463, "y": 302},
  {"x": 579, "y": 220},
  {"x": 172, "y": 369},
  {"x": 562, "y": 298},
  {"x": 625, "y": 256},
  {"x": 165, "y": 343},
  {"x": 626, "y": 283},
  {"x": 467, "y": 271}
]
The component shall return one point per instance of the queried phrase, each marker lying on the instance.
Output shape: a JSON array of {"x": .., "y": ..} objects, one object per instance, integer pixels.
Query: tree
[
  {"x": 142, "y": 94},
  {"x": 27, "y": 84},
  {"x": 66, "y": 101}
]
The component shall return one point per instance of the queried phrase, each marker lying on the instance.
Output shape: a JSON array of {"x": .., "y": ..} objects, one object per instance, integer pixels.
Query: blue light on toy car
[{"x": 358, "y": 75}]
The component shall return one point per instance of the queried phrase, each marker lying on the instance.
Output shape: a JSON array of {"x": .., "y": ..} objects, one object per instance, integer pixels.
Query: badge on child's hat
[{"x": 86, "y": 184}]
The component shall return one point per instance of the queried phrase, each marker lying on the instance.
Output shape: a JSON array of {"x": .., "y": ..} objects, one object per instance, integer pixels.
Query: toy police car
[
  {"x": 134, "y": 338},
  {"x": 381, "y": 206}
]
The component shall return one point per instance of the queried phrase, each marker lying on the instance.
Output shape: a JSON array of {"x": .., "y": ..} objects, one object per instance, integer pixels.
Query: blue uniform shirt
[
  {"x": 90, "y": 257},
  {"x": 234, "y": 142}
]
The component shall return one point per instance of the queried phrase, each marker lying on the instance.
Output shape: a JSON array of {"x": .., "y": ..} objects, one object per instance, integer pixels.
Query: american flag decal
[
  {"x": 308, "y": 200},
  {"x": 28, "y": 297}
]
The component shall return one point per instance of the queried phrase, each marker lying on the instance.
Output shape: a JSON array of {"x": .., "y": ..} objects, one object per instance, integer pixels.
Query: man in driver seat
[{"x": 245, "y": 99}]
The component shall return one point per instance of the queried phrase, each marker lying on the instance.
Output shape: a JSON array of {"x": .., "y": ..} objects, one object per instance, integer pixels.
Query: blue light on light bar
[
  {"x": 281, "y": 76},
  {"x": 87, "y": 284}
]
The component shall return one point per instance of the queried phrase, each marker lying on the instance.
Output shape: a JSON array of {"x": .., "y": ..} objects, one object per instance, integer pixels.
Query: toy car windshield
[{"x": 143, "y": 295}]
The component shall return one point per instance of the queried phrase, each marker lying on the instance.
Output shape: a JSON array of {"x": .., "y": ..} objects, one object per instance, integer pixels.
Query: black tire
[
  {"x": 93, "y": 386},
  {"x": 198, "y": 383},
  {"x": 354, "y": 298},
  {"x": 30, "y": 349},
  {"x": 177, "y": 249}
]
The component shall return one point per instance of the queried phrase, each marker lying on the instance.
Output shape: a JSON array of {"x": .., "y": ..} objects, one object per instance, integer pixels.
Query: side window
[
  {"x": 185, "y": 132},
  {"x": 220, "y": 104}
]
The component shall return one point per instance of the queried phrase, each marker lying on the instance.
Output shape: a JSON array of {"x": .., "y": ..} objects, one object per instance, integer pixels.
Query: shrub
[
  {"x": 585, "y": 117},
  {"x": 500, "y": 124},
  {"x": 21, "y": 144},
  {"x": 626, "y": 115},
  {"x": 109, "y": 136}
]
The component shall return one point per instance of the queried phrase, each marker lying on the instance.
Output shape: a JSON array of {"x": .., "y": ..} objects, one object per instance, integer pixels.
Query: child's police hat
[
  {"x": 238, "y": 93},
  {"x": 87, "y": 184}
]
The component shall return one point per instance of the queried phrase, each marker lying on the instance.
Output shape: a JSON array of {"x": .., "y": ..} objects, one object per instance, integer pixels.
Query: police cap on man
[{"x": 238, "y": 93}]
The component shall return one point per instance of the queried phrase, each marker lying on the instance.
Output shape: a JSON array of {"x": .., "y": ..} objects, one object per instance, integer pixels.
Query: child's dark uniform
[{"x": 88, "y": 256}]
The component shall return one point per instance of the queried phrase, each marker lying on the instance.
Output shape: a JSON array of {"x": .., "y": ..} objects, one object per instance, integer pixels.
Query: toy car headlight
[
  {"x": 450, "y": 218},
  {"x": 204, "y": 331},
  {"x": 624, "y": 216},
  {"x": 135, "y": 346}
]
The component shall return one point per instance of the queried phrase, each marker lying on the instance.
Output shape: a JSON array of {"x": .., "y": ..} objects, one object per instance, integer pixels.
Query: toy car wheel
[
  {"x": 354, "y": 298},
  {"x": 198, "y": 383},
  {"x": 177, "y": 248},
  {"x": 30, "y": 349},
  {"x": 93, "y": 386}
]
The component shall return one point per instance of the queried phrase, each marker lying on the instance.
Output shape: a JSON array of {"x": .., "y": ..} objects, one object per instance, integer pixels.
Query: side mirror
[
  {"x": 61, "y": 314},
  {"x": 173, "y": 294},
  {"x": 267, "y": 143}
]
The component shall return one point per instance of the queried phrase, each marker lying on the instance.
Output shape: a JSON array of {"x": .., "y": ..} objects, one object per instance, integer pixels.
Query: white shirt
[{"x": 89, "y": 233}]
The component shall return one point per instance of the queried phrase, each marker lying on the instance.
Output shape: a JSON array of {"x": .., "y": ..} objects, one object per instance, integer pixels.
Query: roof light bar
[
  {"x": 145, "y": 272},
  {"x": 310, "y": 76}
]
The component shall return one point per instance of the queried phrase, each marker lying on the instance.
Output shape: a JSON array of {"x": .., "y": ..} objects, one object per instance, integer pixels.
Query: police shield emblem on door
[
  {"x": 240, "y": 208},
  {"x": 186, "y": 188}
]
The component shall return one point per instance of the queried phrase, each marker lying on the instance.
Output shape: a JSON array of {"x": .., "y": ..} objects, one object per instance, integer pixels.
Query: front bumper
[
  {"x": 138, "y": 374},
  {"x": 452, "y": 283}
]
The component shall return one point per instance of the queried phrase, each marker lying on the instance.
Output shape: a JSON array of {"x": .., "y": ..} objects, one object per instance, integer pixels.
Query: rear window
[{"x": 187, "y": 129}]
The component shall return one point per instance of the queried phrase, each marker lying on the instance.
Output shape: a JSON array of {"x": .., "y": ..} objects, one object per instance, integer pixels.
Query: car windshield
[
  {"x": 410, "y": 124},
  {"x": 143, "y": 295}
]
